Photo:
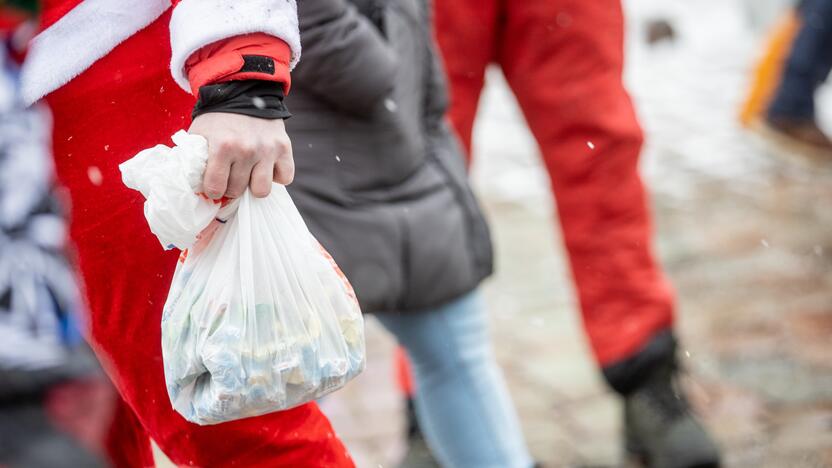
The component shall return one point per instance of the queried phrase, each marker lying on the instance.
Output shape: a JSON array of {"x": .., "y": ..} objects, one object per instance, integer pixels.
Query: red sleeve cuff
[{"x": 223, "y": 61}]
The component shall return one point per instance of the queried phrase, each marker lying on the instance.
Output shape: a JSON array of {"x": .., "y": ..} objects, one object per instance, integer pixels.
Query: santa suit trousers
[
  {"x": 124, "y": 103},
  {"x": 563, "y": 61}
]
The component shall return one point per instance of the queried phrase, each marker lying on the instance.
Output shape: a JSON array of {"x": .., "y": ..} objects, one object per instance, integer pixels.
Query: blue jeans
[
  {"x": 808, "y": 64},
  {"x": 461, "y": 399}
]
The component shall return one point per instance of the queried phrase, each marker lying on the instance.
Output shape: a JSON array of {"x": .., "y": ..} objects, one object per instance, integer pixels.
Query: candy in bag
[{"x": 259, "y": 318}]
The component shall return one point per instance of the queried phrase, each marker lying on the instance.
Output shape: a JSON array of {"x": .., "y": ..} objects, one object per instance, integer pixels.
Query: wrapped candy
[{"x": 259, "y": 318}]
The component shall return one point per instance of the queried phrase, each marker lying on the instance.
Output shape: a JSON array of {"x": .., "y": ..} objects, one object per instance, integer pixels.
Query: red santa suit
[
  {"x": 118, "y": 76},
  {"x": 563, "y": 60}
]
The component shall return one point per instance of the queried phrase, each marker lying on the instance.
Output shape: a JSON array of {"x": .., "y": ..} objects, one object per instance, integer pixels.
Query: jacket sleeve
[
  {"x": 254, "y": 56},
  {"x": 197, "y": 24},
  {"x": 347, "y": 62}
]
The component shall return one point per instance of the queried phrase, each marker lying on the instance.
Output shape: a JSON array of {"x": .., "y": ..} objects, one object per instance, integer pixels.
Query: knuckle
[
  {"x": 226, "y": 146},
  {"x": 283, "y": 146}
]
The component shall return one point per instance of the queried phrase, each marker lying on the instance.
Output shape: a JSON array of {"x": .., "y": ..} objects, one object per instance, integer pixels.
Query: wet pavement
[{"x": 744, "y": 231}]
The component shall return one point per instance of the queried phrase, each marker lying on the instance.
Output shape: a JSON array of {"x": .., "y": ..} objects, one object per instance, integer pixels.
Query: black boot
[{"x": 660, "y": 428}]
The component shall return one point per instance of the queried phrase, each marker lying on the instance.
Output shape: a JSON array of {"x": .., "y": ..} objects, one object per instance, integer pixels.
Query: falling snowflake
[
  {"x": 258, "y": 102},
  {"x": 590, "y": 145},
  {"x": 94, "y": 174},
  {"x": 338, "y": 158}
]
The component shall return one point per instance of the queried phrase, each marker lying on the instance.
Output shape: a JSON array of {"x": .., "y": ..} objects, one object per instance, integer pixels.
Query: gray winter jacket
[{"x": 380, "y": 178}]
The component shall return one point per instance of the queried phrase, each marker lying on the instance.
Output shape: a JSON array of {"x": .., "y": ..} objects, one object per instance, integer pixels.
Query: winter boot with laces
[{"x": 660, "y": 428}]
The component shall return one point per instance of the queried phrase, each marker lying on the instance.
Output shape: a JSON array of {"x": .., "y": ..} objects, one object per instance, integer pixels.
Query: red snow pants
[
  {"x": 563, "y": 61},
  {"x": 127, "y": 102}
]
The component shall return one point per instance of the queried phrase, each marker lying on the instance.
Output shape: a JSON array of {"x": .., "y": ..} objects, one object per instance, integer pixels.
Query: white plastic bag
[{"x": 258, "y": 318}]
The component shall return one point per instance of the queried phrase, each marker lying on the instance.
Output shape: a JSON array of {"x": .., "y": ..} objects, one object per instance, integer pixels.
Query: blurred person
[
  {"x": 381, "y": 182},
  {"x": 796, "y": 61},
  {"x": 121, "y": 76},
  {"x": 42, "y": 356},
  {"x": 563, "y": 60}
]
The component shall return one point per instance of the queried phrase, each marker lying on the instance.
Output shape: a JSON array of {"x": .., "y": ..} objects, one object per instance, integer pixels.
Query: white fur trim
[
  {"x": 85, "y": 34},
  {"x": 197, "y": 23}
]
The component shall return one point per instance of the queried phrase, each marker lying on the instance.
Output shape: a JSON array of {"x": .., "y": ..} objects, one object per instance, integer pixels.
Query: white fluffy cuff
[{"x": 197, "y": 23}]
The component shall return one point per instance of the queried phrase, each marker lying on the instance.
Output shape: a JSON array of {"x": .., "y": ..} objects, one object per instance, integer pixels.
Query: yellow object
[{"x": 767, "y": 73}]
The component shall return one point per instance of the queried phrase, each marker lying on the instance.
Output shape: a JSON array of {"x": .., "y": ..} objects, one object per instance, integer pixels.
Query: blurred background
[
  {"x": 743, "y": 230},
  {"x": 742, "y": 225}
]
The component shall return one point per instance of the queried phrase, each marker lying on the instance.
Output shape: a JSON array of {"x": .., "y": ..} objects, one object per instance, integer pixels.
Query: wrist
[{"x": 254, "y": 98}]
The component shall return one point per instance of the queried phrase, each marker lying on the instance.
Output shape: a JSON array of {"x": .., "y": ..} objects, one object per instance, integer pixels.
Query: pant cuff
[{"x": 628, "y": 374}]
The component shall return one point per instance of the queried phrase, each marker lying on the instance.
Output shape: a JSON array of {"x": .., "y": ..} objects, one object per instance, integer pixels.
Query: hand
[{"x": 244, "y": 152}]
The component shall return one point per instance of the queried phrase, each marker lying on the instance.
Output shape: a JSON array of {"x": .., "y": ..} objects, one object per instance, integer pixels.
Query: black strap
[
  {"x": 258, "y": 64},
  {"x": 254, "y": 98}
]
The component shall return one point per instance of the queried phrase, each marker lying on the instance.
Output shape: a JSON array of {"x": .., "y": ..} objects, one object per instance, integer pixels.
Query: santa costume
[{"x": 119, "y": 76}]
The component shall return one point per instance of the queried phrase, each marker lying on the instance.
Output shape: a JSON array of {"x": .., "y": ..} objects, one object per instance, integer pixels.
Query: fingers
[
  {"x": 245, "y": 152},
  {"x": 261, "y": 179},
  {"x": 249, "y": 167},
  {"x": 284, "y": 167},
  {"x": 216, "y": 176},
  {"x": 239, "y": 178}
]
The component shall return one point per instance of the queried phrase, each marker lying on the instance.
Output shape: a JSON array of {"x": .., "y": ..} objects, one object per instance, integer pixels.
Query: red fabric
[
  {"x": 53, "y": 10},
  {"x": 84, "y": 409},
  {"x": 563, "y": 60},
  {"x": 127, "y": 443},
  {"x": 10, "y": 19},
  {"x": 214, "y": 63},
  {"x": 222, "y": 60},
  {"x": 126, "y": 102},
  {"x": 404, "y": 374}
]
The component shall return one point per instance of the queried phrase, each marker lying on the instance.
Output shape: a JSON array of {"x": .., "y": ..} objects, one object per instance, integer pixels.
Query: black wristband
[{"x": 254, "y": 98}]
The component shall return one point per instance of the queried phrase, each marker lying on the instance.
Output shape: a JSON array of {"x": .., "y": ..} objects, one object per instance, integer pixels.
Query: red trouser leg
[
  {"x": 468, "y": 34},
  {"x": 128, "y": 444},
  {"x": 563, "y": 60},
  {"x": 124, "y": 103}
]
